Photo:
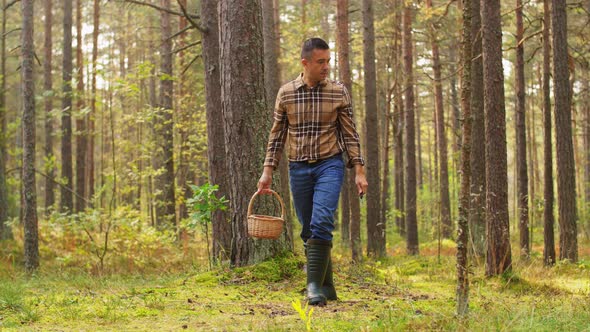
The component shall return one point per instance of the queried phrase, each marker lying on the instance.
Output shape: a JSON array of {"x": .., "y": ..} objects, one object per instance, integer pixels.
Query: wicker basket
[{"x": 265, "y": 227}]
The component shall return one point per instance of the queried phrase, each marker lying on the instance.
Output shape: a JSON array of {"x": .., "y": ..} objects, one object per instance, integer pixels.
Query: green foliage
[
  {"x": 202, "y": 205},
  {"x": 113, "y": 239},
  {"x": 304, "y": 313},
  {"x": 281, "y": 267}
]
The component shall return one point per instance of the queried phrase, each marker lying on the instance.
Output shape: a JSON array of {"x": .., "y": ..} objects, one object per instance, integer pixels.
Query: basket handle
[{"x": 276, "y": 195}]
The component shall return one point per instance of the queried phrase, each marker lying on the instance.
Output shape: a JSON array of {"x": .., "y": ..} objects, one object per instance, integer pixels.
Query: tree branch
[
  {"x": 8, "y": 5},
  {"x": 186, "y": 47},
  {"x": 189, "y": 18},
  {"x": 169, "y": 11}
]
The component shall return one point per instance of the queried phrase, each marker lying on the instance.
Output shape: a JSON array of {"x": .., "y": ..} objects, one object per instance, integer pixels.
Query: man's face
[{"x": 317, "y": 67}]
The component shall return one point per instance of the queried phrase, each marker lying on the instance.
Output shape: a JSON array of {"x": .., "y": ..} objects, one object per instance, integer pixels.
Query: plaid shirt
[{"x": 318, "y": 122}]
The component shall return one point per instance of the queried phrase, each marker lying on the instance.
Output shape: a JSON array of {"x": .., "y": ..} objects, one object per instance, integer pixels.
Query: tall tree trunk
[
  {"x": 344, "y": 76},
  {"x": 272, "y": 78},
  {"x": 566, "y": 174},
  {"x": 48, "y": 103},
  {"x": 410, "y": 173},
  {"x": 455, "y": 107},
  {"x": 218, "y": 169},
  {"x": 31, "y": 240},
  {"x": 185, "y": 174},
  {"x": 245, "y": 115},
  {"x": 385, "y": 181},
  {"x": 521, "y": 166},
  {"x": 81, "y": 134},
  {"x": 66, "y": 203},
  {"x": 477, "y": 221},
  {"x": 353, "y": 205},
  {"x": 164, "y": 125},
  {"x": 499, "y": 258},
  {"x": 375, "y": 225},
  {"x": 418, "y": 135},
  {"x": 445, "y": 201},
  {"x": 586, "y": 128},
  {"x": 398, "y": 125},
  {"x": 465, "y": 195},
  {"x": 5, "y": 231},
  {"x": 90, "y": 117}
]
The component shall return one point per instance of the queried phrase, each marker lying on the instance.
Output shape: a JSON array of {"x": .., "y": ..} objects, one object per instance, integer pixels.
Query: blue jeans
[{"x": 316, "y": 189}]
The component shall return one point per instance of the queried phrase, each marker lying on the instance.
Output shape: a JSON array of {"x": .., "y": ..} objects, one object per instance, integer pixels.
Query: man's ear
[{"x": 304, "y": 62}]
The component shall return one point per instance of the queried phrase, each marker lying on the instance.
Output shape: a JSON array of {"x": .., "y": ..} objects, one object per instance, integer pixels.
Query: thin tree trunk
[
  {"x": 183, "y": 132},
  {"x": 445, "y": 202},
  {"x": 522, "y": 177},
  {"x": 164, "y": 125},
  {"x": 385, "y": 181},
  {"x": 272, "y": 77},
  {"x": 48, "y": 103},
  {"x": 90, "y": 117},
  {"x": 398, "y": 123},
  {"x": 66, "y": 203},
  {"x": 464, "y": 200},
  {"x": 375, "y": 225},
  {"x": 81, "y": 134},
  {"x": 410, "y": 157},
  {"x": 218, "y": 172},
  {"x": 31, "y": 240},
  {"x": 499, "y": 258},
  {"x": 566, "y": 174},
  {"x": 586, "y": 128},
  {"x": 418, "y": 135},
  {"x": 245, "y": 115},
  {"x": 344, "y": 76},
  {"x": 477, "y": 221},
  {"x": 5, "y": 231}
]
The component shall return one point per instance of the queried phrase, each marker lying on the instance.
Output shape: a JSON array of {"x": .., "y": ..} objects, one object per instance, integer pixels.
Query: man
[{"x": 316, "y": 115}]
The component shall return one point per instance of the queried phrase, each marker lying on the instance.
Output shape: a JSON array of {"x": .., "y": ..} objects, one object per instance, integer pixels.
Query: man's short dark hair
[{"x": 312, "y": 44}]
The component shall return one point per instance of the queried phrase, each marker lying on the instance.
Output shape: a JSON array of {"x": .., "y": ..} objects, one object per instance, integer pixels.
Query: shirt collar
[{"x": 299, "y": 82}]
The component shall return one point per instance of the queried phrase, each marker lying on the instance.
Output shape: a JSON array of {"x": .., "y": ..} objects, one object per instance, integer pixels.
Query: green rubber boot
[
  {"x": 318, "y": 257},
  {"x": 328, "y": 288}
]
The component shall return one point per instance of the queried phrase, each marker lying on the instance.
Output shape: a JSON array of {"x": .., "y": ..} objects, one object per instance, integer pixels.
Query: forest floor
[{"x": 396, "y": 293}]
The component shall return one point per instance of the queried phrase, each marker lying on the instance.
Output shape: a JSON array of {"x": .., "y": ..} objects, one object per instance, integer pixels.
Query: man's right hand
[{"x": 265, "y": 181}]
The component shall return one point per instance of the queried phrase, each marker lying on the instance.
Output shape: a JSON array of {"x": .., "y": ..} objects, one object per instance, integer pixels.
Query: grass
[{"x": 396, "y": 293}]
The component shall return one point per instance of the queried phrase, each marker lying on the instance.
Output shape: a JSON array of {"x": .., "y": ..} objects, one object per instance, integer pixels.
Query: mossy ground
[{"x": 397, "y": 293}]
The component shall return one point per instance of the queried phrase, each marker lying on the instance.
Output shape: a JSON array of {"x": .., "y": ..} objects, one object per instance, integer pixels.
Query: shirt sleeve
[
  {"x": 278, "y": 133},
  {"x": 348, "y": 131}
]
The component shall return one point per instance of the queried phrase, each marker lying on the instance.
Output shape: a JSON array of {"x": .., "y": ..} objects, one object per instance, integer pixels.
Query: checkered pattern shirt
[{"x": 317, "y": 121}]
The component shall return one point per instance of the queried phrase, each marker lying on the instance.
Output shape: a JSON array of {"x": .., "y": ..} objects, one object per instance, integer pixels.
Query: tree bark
[
  {"x": 5, "y": 231},
  {"x": 465, "y": 195},
  {"x": 398, "y": 125},
  {"x": 499, "y": 258},
  {"x": 66, "y": 203},
  {"x": 218, "y": 173},
  {"x": 31, "y": 240},
  {"x": 164, "y": 128},
  {"x": 375, "y": 225},
  {"x": 245, "y": 118},
  {"x": 566, "y": 174},
  {"x": 521, "y": 158},
  {"x": 272, "y": 78},
  {"x": 48, "y": 103},
  {"x": 477, "y": 221},
  {"x": 90, "y": 117},
  {"x": 410, "y": 152},
  {"x": 81, "y": 134},
  {"x": 344, "y": 76},
  {"x": 445, "y": 201}
]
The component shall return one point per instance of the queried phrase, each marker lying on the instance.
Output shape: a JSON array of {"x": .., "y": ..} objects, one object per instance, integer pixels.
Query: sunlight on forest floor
[{"x": 399, "y": 292}]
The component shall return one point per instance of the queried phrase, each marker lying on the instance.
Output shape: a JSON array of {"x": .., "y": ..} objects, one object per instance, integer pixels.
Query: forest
[{"x": 134, "y": 132}]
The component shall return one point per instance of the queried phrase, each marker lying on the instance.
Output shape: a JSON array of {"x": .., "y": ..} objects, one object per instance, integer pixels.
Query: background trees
[{"x": 149, "y": 102}]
